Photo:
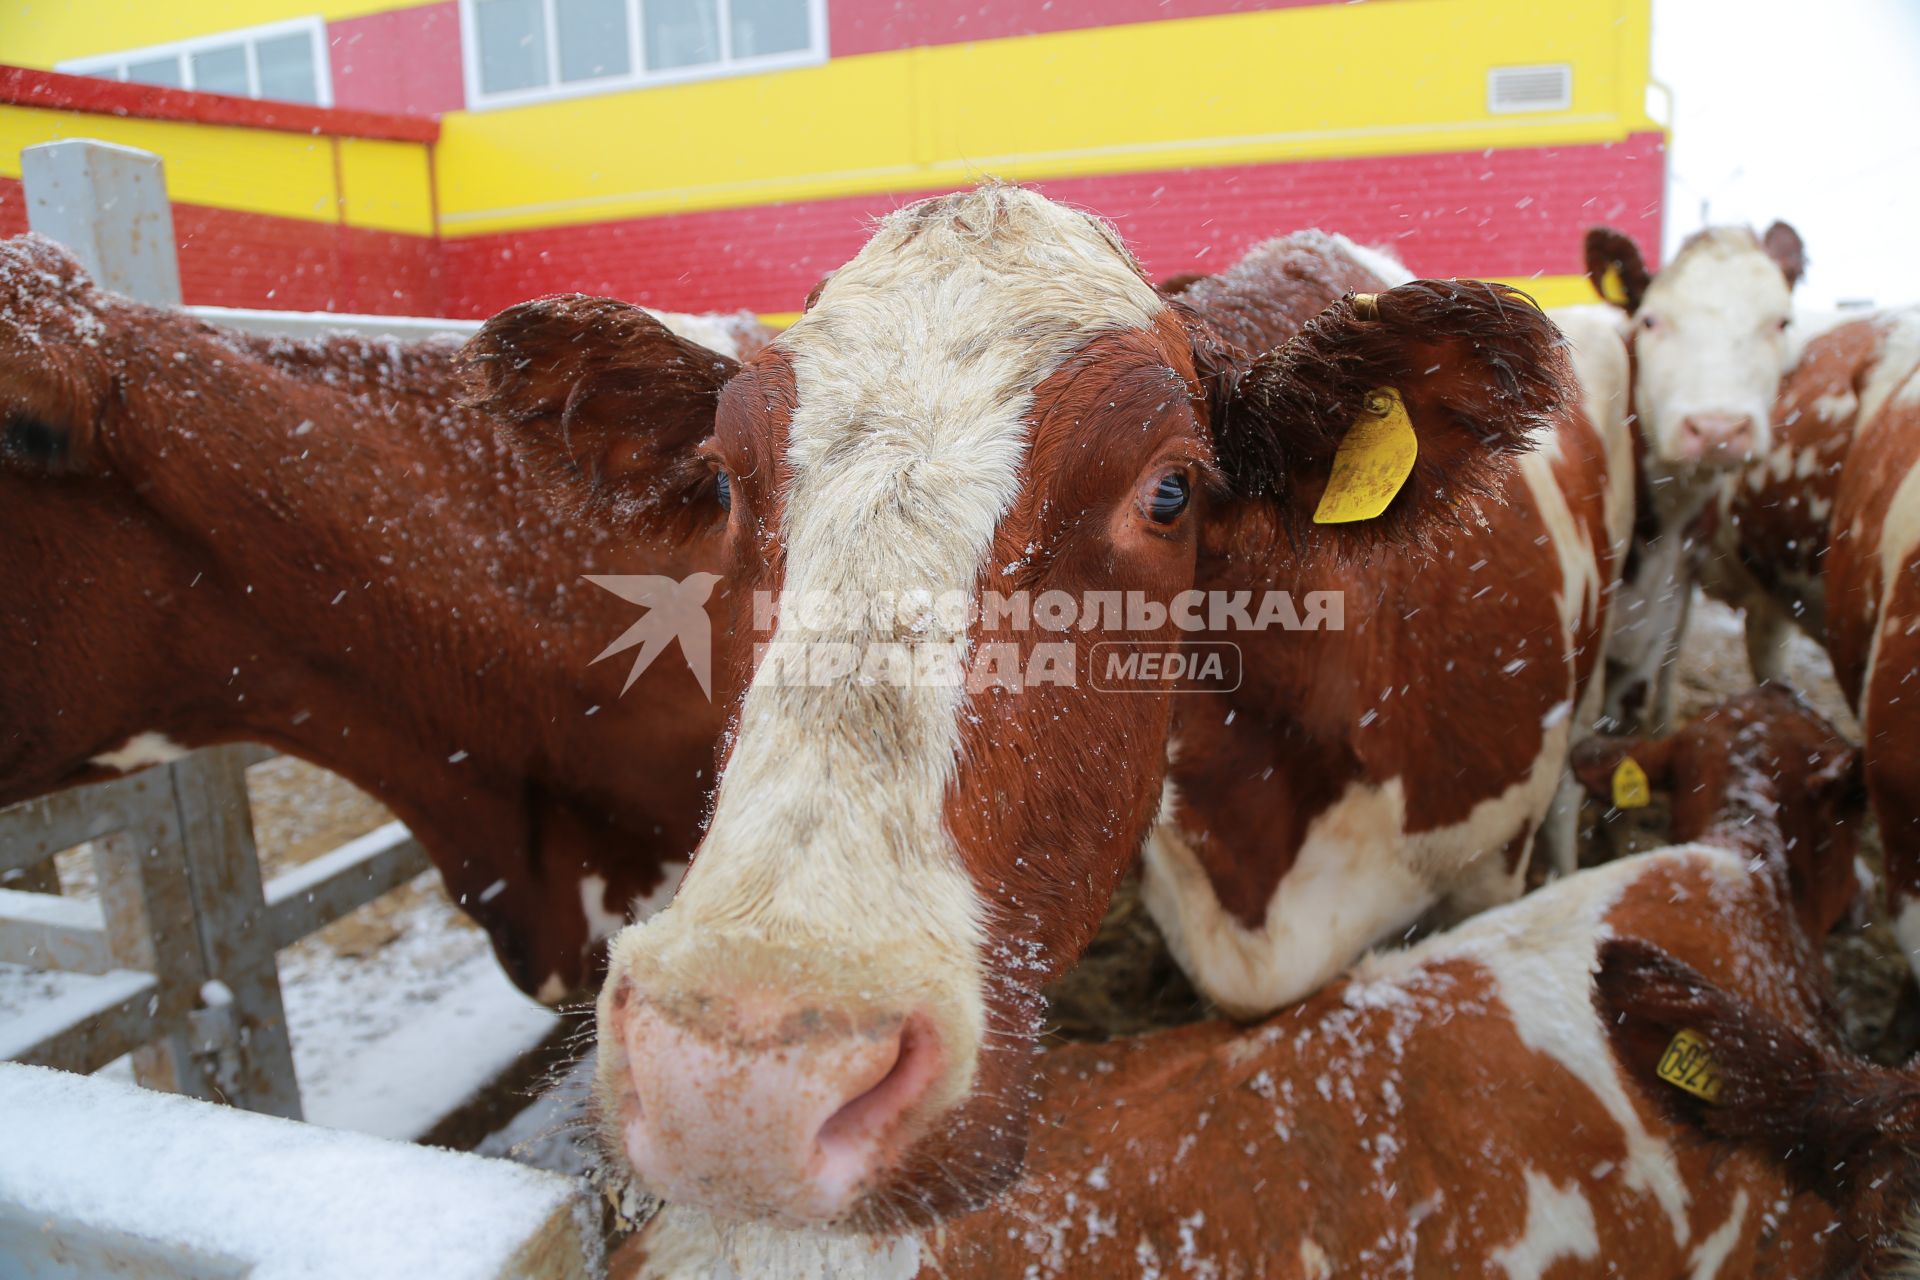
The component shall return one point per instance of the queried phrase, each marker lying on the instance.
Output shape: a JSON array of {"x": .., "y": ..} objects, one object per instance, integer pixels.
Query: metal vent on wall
[{"x": 1547, "y": 87}]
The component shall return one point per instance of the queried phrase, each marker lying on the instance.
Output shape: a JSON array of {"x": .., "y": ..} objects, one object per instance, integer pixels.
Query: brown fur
[
  {"x": 1721, "y": 767},
  {"x": 1843, "y": 1128}
]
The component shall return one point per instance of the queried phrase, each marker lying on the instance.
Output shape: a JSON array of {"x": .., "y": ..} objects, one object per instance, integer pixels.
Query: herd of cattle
[{"x": 372, "y": 556}]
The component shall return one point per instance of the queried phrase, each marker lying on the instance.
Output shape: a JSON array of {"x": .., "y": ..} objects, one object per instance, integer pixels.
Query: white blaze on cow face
[
  {"x": 828, "y": 878},
  {"x": 1710, "y": 338}
]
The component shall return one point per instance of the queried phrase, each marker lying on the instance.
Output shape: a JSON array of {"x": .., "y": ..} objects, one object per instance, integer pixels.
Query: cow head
[
  {"x": 833, "y": 1022},
  {"x": 1762, "y": 769},
  {"x": 1709, "y": 337}
]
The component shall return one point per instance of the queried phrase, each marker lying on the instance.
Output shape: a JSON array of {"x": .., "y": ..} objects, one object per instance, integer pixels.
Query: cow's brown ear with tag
[
  {"x": 1388, "y": 408},
  {"x": 607, "y": 402},
  {"x": 1614, "y": 265}
]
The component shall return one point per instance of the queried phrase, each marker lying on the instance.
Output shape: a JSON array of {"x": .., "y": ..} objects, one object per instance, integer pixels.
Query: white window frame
[
  {"x": 637, "y": 77},
  {"x": 113, "y": 66}
]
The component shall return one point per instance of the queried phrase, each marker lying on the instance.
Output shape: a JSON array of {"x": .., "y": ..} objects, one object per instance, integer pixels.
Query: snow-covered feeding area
[
  {"x": 102, "y": 1178},
  {"x": 387, "y": 1044}
]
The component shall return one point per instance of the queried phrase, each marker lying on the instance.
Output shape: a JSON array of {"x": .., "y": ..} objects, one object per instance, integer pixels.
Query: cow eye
[
  {"x": 723, "y": 490},
  {"x": 1169, "y": 498}
]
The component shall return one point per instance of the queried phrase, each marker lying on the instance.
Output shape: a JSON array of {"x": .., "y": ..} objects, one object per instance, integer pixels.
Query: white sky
[{"x": 1807, "y": 110}]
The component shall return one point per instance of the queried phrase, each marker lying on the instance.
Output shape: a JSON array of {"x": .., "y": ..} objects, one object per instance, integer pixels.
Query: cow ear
[
  {"x": 56, "y": 382},
  {"x": 1596, "y": 763},
  {"x": 1387, "y": 408},
  {"x": 605, "y": 400},
  {"x": 1614, "y": 265},
  {"x": 1782, "y": 244}
]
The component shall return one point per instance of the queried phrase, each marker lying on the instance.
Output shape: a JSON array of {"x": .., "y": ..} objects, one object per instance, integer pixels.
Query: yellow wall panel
[
  {"x": 790, "y": 135},
  {"x": 39, "y": 33},
  {"x": 256, "y": 170},
  {"x": 1318, "y": 81},
  {"x": 387, "y": 185}
]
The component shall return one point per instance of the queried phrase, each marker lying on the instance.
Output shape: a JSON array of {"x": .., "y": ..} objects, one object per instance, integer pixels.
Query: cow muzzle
[
  {"x": 766, "y": 1106},
  {"x": 1721, "y": 438}
]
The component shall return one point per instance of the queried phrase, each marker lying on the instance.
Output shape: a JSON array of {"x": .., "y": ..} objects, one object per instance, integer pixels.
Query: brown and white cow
[
  {"x": 1873, "y": 622},
  {"x": 833, "y": 1021},
  {"x": 1844, "y": 1129},
  {"x": 1451, "y": 1109},
  {"x": 210, "y": 538},
  {"x": 1770, "y": 537},
  {"x": 1708, "y": 343}
]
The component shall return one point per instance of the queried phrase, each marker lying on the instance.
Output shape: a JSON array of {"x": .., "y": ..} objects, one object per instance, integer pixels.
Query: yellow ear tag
[
  {"x": 1688, "y": 1064},
  {"x": 1613, "y": 287},
  {"x": 1371, "y": 463},
  {"x": 1630, "y": 789}
]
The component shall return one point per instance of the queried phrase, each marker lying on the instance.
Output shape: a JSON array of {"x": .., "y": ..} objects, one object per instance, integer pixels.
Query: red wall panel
[
  {"x": 404, "y": 60},
  {"x": 874, "y": 26},
  {"x": 232, "y": 259},
  {"x": 1506, "y": 213}
]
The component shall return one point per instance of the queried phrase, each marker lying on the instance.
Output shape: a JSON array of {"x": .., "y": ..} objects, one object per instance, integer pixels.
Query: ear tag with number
[
  {"x": 1630, "y": 789},
  {"x": 1688, "y": 1064},
  {"x": 1371, "y": 463},
  {"x": 1613, "y": 286}
]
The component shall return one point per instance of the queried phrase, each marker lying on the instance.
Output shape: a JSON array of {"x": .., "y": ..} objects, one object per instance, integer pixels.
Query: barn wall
[
  {"x": 1199, "y": 134},
  {"x": 1200, "y": 126}
]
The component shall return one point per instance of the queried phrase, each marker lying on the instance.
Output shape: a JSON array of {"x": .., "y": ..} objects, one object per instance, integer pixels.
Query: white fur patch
[
  {"x": 1896, "y": 359},
  {"x": 601, "y": 923},
  {"x": 141, "y": 750},
  {"x": 1713, "y": 1252},
  {"x": 645, "y": 906},
  {"x": 1906, "y": 928},
  {"x": 1560, "y": 1225}
]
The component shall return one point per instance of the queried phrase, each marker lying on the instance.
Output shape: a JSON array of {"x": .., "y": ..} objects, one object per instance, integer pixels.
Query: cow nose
[
  {"x": 761, "y": 1110},
  {"x": 1716, "y": 435}
]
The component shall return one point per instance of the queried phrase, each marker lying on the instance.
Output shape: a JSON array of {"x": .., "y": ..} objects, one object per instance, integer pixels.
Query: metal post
[
  {"x": 107, "y": 204},
  {"x": 249, "y": 1028}
]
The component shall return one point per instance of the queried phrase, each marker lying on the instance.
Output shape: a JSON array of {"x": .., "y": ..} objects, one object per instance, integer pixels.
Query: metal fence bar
[
  {"x": 46, "y": 932},
  {"x": 150, "y": 927},
  {"x": 312, "y": 896},
  {"x": 255, "y": 1068},
  {"x": 84, "y": 1029},
  {"x": 35, "y": 830}
]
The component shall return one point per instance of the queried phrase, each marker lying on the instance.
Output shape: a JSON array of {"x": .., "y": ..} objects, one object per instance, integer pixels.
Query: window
[
  {"x": 533, "y": 50},
  {"x": 285, "y": 61}
]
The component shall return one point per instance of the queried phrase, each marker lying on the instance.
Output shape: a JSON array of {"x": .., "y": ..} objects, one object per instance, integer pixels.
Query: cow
[
  {"x": 1842, "y": 1128},
  {"x": 1450, "y": 1109},
  {"x": 1708, "y": 341},
  {"x": 312, "y": 545},
  {"x": 1768, "y": 546},
  {"x": 1872, "y": 587},
  {"x": 833, "y": 1021}
]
